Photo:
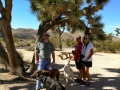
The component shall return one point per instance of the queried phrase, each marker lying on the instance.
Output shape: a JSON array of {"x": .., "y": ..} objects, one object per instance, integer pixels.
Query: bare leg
[
  {"x": 80, "y": 74},
  {"x": 88, "y": 74},
  {"x": 84, "y": 73}
]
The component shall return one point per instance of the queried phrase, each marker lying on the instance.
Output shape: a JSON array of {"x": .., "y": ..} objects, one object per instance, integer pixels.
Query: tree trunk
[
  {"x": 21, "y": 62},
  {"x": 60, "y": 41},
  {"x": 4, "y": 57},
  {"x": 40, "y": 33},
  {"x": 33, "y": 66},
  {"x": 87, "y": 31},
  {"x": 12, "y": 55}
]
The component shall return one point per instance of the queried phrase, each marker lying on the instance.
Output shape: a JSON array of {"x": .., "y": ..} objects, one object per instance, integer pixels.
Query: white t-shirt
[{"x": 86, "y": 51}]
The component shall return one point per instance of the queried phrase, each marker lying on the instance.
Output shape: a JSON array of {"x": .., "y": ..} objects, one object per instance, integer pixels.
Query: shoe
[
  {"x": 83, "y": 83},
  {"x": 89, "y": 84},
  {"x": 78, "y": 80}
]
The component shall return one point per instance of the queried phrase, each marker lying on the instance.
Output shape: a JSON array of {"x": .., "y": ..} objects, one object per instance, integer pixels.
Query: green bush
[
  {"x": 1, "y": 39},
  {"x": 107, "y": 46},
  {"x": 55, "y": 42},
  {"x": 15, "y": 39},
  {"x": 70, "y": 42}
]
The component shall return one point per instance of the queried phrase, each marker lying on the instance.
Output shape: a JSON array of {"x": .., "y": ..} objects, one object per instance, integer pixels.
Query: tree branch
[
  {"x": 1, "y": 7},
  {"x": 8, "y": 8}
]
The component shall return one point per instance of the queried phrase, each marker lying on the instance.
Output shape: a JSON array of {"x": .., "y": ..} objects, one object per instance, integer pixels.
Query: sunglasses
[{"x": 46, "y": 35}]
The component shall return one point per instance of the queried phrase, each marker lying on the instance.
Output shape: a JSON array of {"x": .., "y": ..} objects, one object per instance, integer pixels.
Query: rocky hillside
[
  {"x": 31, "y": 33},
  {"x": 24, "y": 33}
]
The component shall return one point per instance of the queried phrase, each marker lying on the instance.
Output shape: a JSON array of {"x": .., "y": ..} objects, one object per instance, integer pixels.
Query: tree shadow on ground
[
  {"x": 98, "y": 83},
  {"x": 3, "y": 70},
  {"x": 16, "y": 80},
  {"x": 117, "y": 70},
  {"x": 28, "y": 86},
  {"x": 19, "y": 83}
]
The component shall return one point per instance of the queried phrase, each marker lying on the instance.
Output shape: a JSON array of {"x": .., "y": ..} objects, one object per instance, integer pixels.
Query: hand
[
  {"x": 86, "y": 60},
  {"x": 53, "y": 63},
  {"x": 73, "y": 52},
  {"x": 36, "y": 62}
]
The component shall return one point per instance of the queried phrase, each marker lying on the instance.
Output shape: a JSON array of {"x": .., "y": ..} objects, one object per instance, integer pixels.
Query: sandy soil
[{"x": 105, "y": 73}]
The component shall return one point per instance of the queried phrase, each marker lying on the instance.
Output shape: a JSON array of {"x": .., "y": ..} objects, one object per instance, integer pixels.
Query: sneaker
[
  {"x": 83, "y": 83},
  {"x": 78, "y": 80},
  {"x": 89, "y": 84}
]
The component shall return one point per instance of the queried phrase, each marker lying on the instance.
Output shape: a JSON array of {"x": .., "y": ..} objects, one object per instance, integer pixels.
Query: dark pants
[{"x": 78, "y": 64}]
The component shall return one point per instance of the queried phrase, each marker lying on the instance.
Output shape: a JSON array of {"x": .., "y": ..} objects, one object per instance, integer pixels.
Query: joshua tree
[
  {"x": 117, "y": 31},
  {"x": 53, "y": 12}
]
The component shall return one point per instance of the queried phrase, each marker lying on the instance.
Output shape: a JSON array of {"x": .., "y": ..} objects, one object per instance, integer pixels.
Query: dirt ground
[{"x": 105, "y": 73}]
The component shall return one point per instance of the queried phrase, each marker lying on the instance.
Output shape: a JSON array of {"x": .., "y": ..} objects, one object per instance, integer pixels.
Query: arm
[
  {"x": 53, "y": 57},
  {"x": 36, "y": 56},
  {"x": 91, "y": 53}
]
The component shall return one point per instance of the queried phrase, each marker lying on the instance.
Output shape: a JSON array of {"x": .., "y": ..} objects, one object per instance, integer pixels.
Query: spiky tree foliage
[
  {"x": 117, "y": 31},
  {"x": 52, "y": 12}
]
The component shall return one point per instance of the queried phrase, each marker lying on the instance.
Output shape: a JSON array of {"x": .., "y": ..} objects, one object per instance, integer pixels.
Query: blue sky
[{"x": 23, "y": 18}]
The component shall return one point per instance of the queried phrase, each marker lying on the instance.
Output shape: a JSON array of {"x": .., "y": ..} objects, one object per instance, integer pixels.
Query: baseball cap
[{"x": 47, "y": 34}]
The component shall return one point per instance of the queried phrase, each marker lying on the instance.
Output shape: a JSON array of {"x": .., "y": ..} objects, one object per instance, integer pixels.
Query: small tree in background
[{"x": 117, "y": 31}]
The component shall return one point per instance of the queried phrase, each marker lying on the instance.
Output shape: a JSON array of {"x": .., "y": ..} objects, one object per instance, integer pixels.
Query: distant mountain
[
  {"x": 24, "y": 33},
  {"x": 28, "y": 33},
  {"x": 114, "y": 38}
]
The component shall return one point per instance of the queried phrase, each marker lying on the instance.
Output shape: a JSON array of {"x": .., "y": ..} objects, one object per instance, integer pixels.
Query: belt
[{"x": 45, "y": 58}]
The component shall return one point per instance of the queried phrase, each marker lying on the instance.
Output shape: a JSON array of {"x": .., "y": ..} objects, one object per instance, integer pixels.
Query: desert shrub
[
  {"x": 27, "y": 44},
  {"x": 99, "y": 36},
  {"x": 1, "y": 39},
  {"x": 17, "y": 45},
  {"x": 70, "y": 42},
  {"x": 15, "y": 39},
  {"x": 55, "y": 42},
  {"x": 30, "y": 48},
  {"x": 32, "y": 41},
  {"x": 22, "y": 44},
  {"x": 107, "y": 46}
]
